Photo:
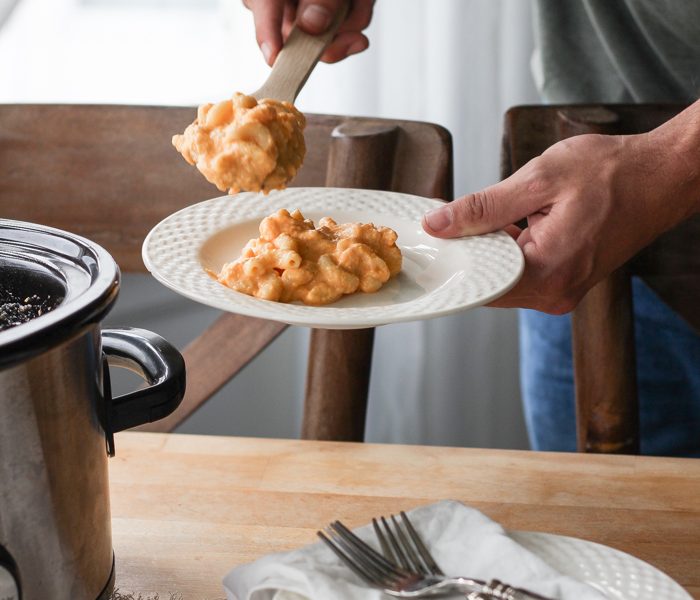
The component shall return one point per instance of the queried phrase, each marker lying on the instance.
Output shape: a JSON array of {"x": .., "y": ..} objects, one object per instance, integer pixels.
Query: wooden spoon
[{"x": 296, "y": 60}]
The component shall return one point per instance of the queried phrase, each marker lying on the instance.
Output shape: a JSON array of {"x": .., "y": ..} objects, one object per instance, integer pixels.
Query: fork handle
[
  {"x": 502, "y": 591},
  {"x": 494, "y": 589},
  {"x": 297, "y": 59}
]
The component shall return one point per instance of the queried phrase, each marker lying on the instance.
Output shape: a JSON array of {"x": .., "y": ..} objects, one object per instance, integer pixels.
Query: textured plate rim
[
  {"x": 311, "y": 317},
  {"x": 518, "y": 536}
]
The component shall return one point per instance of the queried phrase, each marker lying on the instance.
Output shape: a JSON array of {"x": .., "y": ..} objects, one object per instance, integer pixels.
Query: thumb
[
  {"x": 488, "y": 210},
  {"x": 316, "y": 16}
]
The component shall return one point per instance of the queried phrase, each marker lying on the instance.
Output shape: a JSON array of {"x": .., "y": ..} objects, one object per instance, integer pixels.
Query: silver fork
[
  {"x": 408, "y": 549},
  {"x": 410, "y": 572},
  {"x": 379, "y": 572}
]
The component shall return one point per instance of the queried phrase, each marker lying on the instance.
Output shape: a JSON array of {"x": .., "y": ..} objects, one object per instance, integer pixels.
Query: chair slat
[{"x": 214, "y": 358}]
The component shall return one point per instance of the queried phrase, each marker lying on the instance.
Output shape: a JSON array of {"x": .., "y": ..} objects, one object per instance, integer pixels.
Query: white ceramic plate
[
  {"x": 616, "y": 574},
  {"x": 439, "y": 277}
]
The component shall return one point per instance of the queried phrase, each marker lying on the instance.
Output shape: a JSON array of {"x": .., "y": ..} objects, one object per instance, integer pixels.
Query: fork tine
[
  {"x": 385, "y": 576},
  {"x": 398, "y": 551},
  {"x": 384, "y": 543},
  {"x": 354, "y": 567},
  {"x": 416, "y": 563},
  {"x": 420, "y": 546},
  {"x": 371, "y": 572},
  {"x": 383, "y": 570},
  {"x": 367, "y": 550}
]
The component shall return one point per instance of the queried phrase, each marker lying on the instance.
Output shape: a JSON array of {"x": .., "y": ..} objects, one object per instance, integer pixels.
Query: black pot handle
[{"x": 161, "y": 366}]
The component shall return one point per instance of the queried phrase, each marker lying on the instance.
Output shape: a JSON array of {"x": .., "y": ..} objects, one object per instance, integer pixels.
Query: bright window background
[{"x": 117, "y": 51}]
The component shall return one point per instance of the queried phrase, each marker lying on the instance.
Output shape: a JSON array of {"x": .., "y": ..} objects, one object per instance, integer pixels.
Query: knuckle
[
  {"x": 563, "y": 295},
  {"x": 554, "y": 305},
  {"x": 364, "y": 14},
  {"x": 331, "y": 5},
  {"x": 475, "y": 207},
  {"x": 554, "y": 292},
  {"x": 537, "y": 176},
  {"x": 570, "y": 144},
  {"x": 573, "y": 144},
  {"x": 562, "y": 306}
]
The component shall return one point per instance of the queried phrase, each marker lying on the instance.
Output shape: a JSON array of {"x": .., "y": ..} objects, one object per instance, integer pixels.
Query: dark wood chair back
[
  {"x": 602, "y": 324},
  {"x": 110, "y": 173}
]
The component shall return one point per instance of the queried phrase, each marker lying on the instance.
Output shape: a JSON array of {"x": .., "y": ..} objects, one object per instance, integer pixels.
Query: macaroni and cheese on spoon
[{"x": 256, "y": 143}]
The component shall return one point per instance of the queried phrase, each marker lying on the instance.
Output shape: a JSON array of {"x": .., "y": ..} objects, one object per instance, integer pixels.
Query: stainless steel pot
[{"x": 57, "y": 416}]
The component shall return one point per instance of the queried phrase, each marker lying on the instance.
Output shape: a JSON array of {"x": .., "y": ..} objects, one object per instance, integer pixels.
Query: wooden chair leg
[
  {"x": 607, "y": 413},
  {"x": 361, "y": 156},
  {"x": 336, "y": 385}
]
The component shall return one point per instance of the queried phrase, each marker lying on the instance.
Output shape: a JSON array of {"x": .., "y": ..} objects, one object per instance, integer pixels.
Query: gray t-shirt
[{"x": 618, "y": 50}]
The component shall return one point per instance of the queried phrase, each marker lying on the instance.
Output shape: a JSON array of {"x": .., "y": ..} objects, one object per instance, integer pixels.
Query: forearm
[{"x": 676, "y": 143}]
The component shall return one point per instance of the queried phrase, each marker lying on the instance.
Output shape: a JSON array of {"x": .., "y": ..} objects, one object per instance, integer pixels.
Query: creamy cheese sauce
[
  {"x": 245, "y": 145},
  {"x": 293, "y": 260}
]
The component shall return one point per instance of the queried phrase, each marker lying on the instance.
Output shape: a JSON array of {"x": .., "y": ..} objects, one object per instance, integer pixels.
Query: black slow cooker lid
[{"x": 62, "y": 281}]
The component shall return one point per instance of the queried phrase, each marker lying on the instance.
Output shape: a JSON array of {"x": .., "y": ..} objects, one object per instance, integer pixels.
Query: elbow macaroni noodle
[
  {"x": 293, "y": 260},
  {"x": 245, "y": 145}
]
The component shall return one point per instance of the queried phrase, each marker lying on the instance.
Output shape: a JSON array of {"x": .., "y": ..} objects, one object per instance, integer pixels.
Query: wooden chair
[
  {"x": 602, "y": 325},
  {"x": 110, "y": 173}
]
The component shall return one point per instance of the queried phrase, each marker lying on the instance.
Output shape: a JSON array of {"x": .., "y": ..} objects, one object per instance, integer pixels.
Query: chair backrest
[
  {"x": 602, "y": 324},
  {"x": 110, "y": 173}
]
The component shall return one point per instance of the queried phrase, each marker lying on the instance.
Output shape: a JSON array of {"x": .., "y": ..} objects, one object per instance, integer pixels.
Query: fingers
[
  {"x": 552, "y": 280},
  {"x": 531, "y": 291},
  {"x": 267, "y": 15},
  {"x": 288, "y": 21},
  {"x": 359, "y": 17},
  {"x": 345, "y": 44},
  {"x": 481, "y": 212},
  {"x": 513, "y": 231},
  {"x": 316, "y": 16},
  {"x": 275, "y": 18}
]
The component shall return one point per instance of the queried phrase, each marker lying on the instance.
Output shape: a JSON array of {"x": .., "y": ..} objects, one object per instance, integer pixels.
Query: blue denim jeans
[{"x": 668, "y": 378}]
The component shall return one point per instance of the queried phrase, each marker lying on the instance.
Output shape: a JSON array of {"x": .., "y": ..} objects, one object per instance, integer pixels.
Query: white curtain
[{"x": 459, "y": 63}]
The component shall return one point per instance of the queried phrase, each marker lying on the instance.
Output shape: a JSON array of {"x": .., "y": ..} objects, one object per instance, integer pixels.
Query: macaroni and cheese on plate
[{"x": 293, "y": 260}]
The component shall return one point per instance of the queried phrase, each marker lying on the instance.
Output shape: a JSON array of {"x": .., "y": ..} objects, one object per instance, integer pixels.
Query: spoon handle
[{"x": 297, "y": 59}]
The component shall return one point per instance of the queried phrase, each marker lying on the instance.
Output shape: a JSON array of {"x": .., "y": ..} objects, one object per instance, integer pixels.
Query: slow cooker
[{"x": 57, "y": 414}]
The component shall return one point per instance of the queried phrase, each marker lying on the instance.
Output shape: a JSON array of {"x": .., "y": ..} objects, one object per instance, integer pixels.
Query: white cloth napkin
[{"x": 462, "y": 540}]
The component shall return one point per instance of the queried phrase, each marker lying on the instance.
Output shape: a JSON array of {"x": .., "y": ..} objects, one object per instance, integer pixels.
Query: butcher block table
[{"x": 186, "y": 509}]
